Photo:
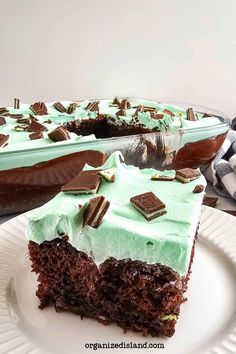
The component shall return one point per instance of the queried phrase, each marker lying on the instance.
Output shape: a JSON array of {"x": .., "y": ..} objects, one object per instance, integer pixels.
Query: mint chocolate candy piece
[
  {"x": 59, "y": 134},
  {"x": 125, "y": 104},
  {"x": 186, "y": 175},
  {"x": 95, "y": 211},
  {"x": 210, "y": 201},
  {"x": 36, "y": 135},
  {"x": 59, "y": 107},
  {"x": 149, "y": 205},
  {"x": 16, "y": 103},
  {"x": 72, "y": 107},
  {"x": 108, "y": 174},
  {"x": 2, "y": 121},
  {"x": 199, "y": 188},
  {"x": 39, "y": 108},
  {"x": 36, "y": 127},
  {"x": 190, "y": 114},
  {"x": 3, "y": 140},
  {"x": 93, "y": 106},
  {"x": 85, "y": 183}
]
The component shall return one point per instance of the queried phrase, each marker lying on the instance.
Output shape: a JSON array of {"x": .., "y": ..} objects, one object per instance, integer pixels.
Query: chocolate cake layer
[
  {"x": 26, "y": 188},
  {"x": 133, "y": 294}
]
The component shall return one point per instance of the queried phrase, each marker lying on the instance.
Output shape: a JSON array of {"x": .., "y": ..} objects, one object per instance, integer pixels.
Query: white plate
[{"x": 207, "y": 323}]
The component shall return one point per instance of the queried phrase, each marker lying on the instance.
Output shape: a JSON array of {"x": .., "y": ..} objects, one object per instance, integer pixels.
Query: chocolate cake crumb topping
[
  {"x": 59, "y": 134},
  {"x": 93, "y": 106},
  {"x": 39, "y": 108},
  {"x": 95, "y": 211},
  {"x": 149, "y": 205},
  {"x": 190, "y": 114},
  {"x": 85, "y": 183},
  {"x": 198, "y": 188},
  {"x": 2, "y": 121},
  {"x": 16, "y": 103},
  {"x": 36, "y": 135},
  {"x": 3, "y": 140},
  {"x": 59, "y": 107}
]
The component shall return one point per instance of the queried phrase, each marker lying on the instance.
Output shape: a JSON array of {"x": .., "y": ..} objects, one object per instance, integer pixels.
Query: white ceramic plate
[{"x": 207, "y": 323}]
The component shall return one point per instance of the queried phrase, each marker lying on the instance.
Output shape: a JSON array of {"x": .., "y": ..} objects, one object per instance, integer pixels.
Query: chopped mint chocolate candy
[
  {"x": 158, "y": 177},
  {"x": 3, "y": 140},
  {"x": 59, "y": 107},
  {"x": 199, "y": 188},
  {"x": 36, "y": 127},
  {"x": 125, "y": 104},
  {"x": 116, "y": 101},
  {"x": 121, "y": 112},
  {"x": 149, "y": 205},
  {"x": 167, "y": 111},
  {"x": 39, "y": 108},
  {"x": 36, "y": 135},
  {"x": 186, "y": 175},
  {"x": 96, "y": 209},
  {"x": 139, "y": 109},
  {"x": 59, "y": 134},
  {"x": 170, "y": 317},
  {"x": 21, "y": 128},
  {"x": 149, "y": 109},
  {"x": 16, "y": 116},
  {"x": 108, "y": 174},
  {"x": 93, "y": 106},
  {"x": 207, "y": 115},
  {"x": 210, "y": 201},
  {"x": 86, "y": 182},
  {"x": 4, "y": 111},
  {"x": 16, "y": 103},
  {"x": 72, "y": 107},
  {"x": 2, "y": 121},
  {"x": 190, "y": 114},
  {"x": 231, "y": 212},
  {"x": 157, "y": 116}
]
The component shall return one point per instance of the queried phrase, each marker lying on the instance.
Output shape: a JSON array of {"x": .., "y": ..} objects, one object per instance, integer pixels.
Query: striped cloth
[{"x": 222, "y": 171}]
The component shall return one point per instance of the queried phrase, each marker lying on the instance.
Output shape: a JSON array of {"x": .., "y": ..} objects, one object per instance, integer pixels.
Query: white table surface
[{"x": 222, "y": 203}]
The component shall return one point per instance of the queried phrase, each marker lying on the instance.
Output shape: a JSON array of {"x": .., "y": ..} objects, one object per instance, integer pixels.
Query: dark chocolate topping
[
  {"x": 39, "y": 108},
  {"x": 2, "y": 121},
  {"x": 59, "y": 134},
  {"x": 190, "y": 114},
  {"x": 148, "y": 202},
  {"x": 85, "y": 182},
  {"x": 59, "y": 107},
  {"x": 36, "y": 127},
  {"x": 36, "y": 135},
  {"x": 95, "y": 211},
  {"x": 3, "y": 140}
]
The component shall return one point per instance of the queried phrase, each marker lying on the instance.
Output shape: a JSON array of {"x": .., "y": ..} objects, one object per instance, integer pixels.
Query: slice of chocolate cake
[{"x": 123, "y": 254}]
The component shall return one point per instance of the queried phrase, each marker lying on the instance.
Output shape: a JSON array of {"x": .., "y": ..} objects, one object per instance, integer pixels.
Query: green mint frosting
[{"x": 124, "y": 232}]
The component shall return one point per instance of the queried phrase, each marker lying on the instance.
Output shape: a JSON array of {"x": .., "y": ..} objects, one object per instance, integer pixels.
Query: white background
[{"x": 183, "y": 50}]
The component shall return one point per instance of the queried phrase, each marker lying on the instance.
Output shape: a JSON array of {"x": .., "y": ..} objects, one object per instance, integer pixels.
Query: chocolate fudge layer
[
  {"x": 116, "y": 236},
  {"x": 26, "y": 188}
]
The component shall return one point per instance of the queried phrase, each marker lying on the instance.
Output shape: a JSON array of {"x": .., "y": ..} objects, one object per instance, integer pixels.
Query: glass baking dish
[{"x": 160, "y": 150}]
